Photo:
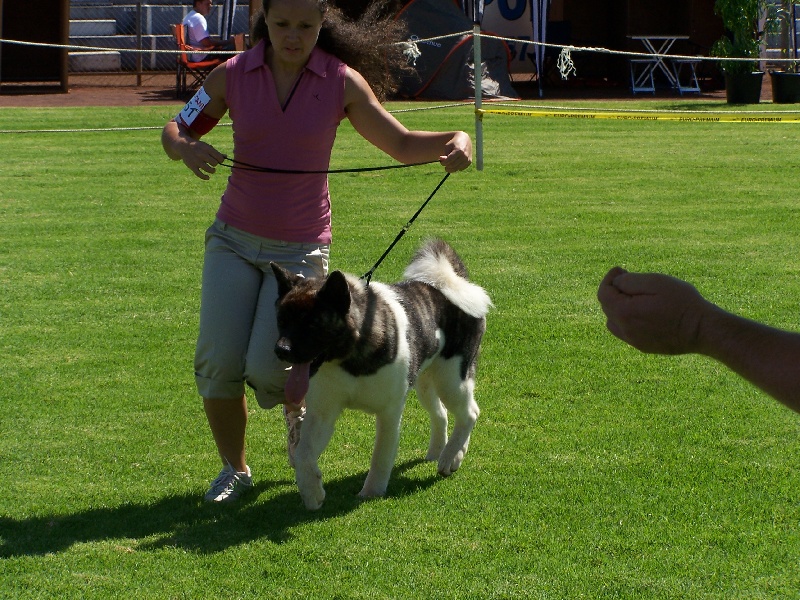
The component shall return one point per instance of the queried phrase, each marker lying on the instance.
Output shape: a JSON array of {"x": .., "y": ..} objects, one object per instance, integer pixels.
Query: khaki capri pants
[{"x": 238, "y": 326}]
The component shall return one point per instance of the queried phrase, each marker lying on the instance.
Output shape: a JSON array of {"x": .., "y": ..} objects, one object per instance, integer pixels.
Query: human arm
[
  {"x": 660, "y": 314},
  {"x": 210, "y": 43},
  {"x": 453, "y": 149},
  {"x": 183, "y": 144}
]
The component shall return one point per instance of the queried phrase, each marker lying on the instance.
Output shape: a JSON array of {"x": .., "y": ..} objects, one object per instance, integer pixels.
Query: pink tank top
[{"x": 282, "y": 206}]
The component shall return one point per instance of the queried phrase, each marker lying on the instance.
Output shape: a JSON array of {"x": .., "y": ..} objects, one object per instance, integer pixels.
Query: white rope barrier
[
  {"x": 87, "y": 130},
  {"x": 111, "y": 49},
  {"x": 566, "y": 66},
  {"x": 417, "y": 41},
  {"x": 225, "y": 124}
]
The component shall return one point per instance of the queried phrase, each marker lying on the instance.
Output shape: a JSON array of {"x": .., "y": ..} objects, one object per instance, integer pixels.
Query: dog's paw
[
  {"x": 313, "y": 495},
  {"x": 437, "y": 444},
  {"x": 371, "y": 493},
  {"x": 449, "y": 466},
  {"x": 314, "y": 501},
  {"x": 309, "y": 482},
  {"x": 432, "y": 456}
]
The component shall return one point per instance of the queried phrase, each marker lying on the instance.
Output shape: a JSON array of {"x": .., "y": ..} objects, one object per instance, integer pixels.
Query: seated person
[{"x": 197, "y": 32}]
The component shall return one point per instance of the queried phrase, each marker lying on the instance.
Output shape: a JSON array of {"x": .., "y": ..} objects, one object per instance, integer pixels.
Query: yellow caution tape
[{"x": 636, "y": 116}]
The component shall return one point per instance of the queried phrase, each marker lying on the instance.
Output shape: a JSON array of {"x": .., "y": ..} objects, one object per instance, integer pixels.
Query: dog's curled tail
[{"x": 438, "y": 265}]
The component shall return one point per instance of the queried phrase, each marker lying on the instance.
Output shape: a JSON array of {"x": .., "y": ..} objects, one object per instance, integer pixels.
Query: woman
[{"x": 286, "y": 97}]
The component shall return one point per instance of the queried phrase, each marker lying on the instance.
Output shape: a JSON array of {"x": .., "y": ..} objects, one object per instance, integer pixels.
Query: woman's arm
[
  {"x": 182, "y": 143},
  {"x": 453, "y": 149}
]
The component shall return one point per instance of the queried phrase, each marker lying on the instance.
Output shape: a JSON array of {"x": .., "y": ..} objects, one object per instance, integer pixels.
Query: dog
[{"x": 362, "y": 345}]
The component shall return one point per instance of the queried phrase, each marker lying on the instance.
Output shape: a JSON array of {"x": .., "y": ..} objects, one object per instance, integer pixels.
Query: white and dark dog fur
[{"x": 354, "y": 345}]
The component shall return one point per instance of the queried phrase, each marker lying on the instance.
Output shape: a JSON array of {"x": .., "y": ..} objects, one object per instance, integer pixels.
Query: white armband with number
[{"x": 193, "y": 109}]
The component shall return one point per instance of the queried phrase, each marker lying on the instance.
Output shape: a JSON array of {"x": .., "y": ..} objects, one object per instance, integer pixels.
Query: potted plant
[
  {"x": 786, "y": 79},
  {"x": 744, "y": 22}
]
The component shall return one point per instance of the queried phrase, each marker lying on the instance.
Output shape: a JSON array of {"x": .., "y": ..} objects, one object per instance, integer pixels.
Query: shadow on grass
[{"x": 189, "y": 523}]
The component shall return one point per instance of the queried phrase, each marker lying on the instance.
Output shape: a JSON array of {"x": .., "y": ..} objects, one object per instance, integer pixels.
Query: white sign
[{"x": 512, "y": 19}]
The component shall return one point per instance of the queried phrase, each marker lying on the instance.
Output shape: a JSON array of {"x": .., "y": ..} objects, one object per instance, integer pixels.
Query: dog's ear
[
  {"x": 286, "y": 280},
  {"x": 336, "y": 293}
]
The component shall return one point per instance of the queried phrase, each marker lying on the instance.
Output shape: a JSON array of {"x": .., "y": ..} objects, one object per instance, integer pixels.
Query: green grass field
[{"x": 594, "y": 471}]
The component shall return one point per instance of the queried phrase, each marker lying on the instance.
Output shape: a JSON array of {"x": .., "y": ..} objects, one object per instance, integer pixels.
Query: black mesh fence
[{"x": 117, "y": 37}]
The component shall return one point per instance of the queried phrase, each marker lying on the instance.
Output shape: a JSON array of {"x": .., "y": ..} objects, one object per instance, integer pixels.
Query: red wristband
[{"x": 201, "y": 124}]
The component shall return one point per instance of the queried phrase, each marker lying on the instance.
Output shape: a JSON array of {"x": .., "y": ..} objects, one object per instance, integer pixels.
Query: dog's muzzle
[{"x": 283, "y": 349}]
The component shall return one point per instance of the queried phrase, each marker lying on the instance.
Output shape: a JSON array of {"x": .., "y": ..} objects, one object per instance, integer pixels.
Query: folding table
[{"x": 664, "y": 43}]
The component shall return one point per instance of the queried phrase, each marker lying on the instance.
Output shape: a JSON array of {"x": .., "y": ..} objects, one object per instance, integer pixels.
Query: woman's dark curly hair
[{"x": 366, "y": 44}]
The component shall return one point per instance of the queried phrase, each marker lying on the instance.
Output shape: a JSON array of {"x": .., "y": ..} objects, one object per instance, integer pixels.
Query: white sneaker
[
  {"x": 294, "y": 422},
  {"x": 229, "y": 485}
]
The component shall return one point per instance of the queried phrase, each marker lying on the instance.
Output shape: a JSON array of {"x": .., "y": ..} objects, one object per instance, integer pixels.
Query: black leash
[
  {"x": 368, "y": 275},
  {"x": 237, "y": 164},
  {"x": 232, "y": 163}
]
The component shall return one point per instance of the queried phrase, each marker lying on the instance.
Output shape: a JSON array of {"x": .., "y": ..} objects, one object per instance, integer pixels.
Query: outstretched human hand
[{"x": 654, "y": 313}]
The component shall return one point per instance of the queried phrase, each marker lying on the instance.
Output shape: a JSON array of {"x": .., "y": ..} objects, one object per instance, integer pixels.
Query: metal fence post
[{"x": 139, "y": 43}]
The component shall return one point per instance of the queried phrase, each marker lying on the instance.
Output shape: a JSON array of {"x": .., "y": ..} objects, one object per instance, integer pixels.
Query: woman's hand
[
  {"x": 200, "y": 158},
  {"x": 459, "y": 156},
  {"x": 182, "y": 143}
]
